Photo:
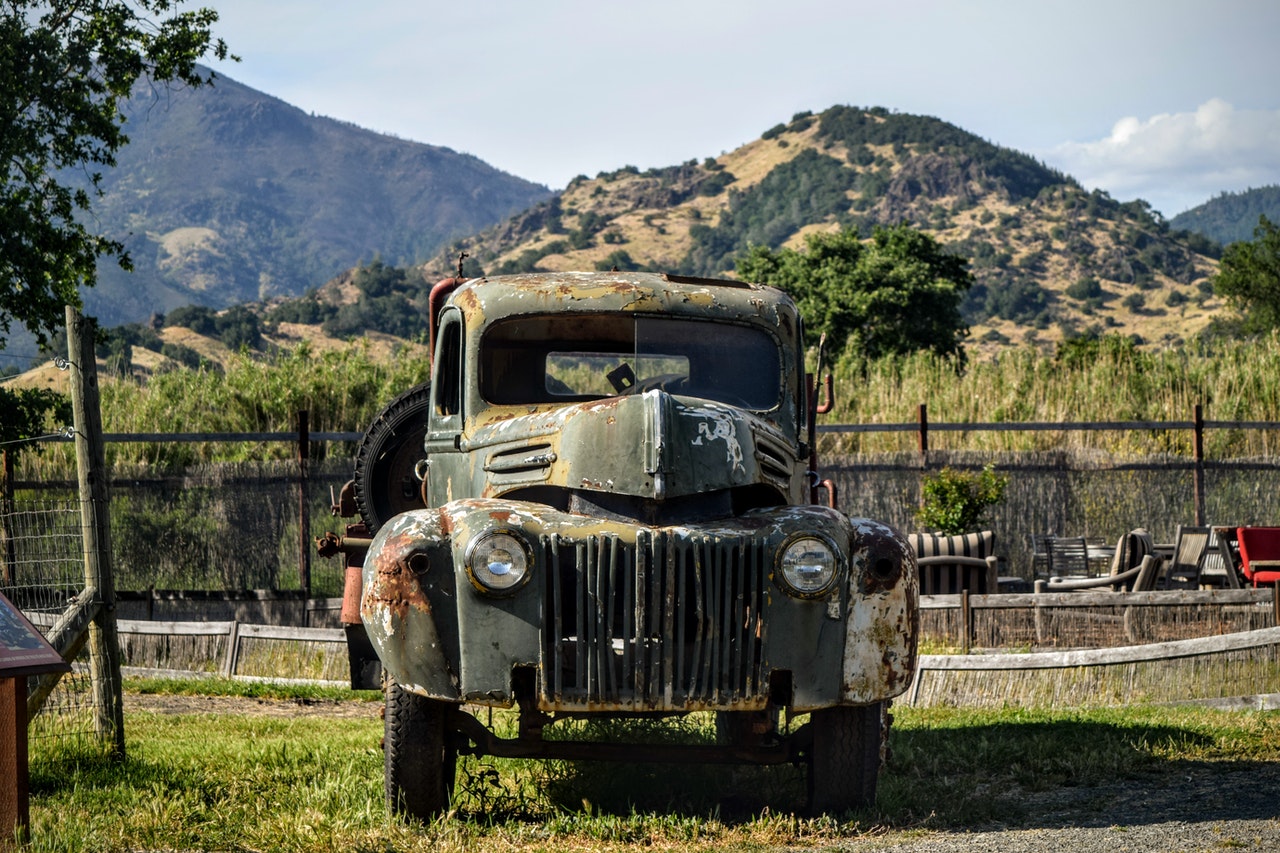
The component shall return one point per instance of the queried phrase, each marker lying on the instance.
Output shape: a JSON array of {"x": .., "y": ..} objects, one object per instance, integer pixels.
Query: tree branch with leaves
[{"x": 65, "y": 66}]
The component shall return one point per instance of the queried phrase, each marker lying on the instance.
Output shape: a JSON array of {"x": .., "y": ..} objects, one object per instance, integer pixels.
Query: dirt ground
[{"x": 236, "y": 705}]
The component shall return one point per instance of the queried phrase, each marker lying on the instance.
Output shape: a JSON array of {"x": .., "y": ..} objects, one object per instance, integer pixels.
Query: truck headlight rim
[
  {"x": 498, "y": 562},
  {"x": 808, "y": 565}
]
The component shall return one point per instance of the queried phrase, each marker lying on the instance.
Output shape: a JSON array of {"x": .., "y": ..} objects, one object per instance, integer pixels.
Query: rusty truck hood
[{"x": 653, "y": 445}]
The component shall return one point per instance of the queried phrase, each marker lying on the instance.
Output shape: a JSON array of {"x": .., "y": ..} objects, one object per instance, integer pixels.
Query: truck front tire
[
  {"x": 844, "y": 760},
  {"x": 420, "y": 765}
]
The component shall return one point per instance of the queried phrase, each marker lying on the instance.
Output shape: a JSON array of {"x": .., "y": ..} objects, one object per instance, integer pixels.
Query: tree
[
  {"x": 1249, "y": 277},
  {"x": 65, "y": 65},
  {"x": 895, "y": 294}
]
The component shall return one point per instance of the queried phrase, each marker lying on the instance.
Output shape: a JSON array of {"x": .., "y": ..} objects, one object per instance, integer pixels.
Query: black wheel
[
  {"x": 844, "y": 761},
  {"x": 420, "y": 765},
  {"x": 386, "y": 483}
]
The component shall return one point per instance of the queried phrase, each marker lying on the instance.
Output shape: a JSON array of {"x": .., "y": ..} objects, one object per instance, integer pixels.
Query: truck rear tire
[
  {"x": 420, "y": 765},
  {"x": 385, "y": 481},
  {"x": 844, "y": 760}
]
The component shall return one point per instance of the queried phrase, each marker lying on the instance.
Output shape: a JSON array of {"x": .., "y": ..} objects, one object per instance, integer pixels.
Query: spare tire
[{"x": 386, "y": 480}]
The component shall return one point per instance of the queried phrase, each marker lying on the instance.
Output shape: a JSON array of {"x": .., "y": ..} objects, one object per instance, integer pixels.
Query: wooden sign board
[{"x": 23, "y": 649}]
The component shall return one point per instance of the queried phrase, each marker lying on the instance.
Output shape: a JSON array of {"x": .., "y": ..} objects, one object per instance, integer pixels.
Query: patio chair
[
  {"x": 1068, "y": 557},
  {"x": 1260, "y": 554},
  {"x": 1134, "y": 568},
  {"x": 1189, "y": 550},
  {"x": 1221, "y": 566},
  {"x": 953, "y": 564}
]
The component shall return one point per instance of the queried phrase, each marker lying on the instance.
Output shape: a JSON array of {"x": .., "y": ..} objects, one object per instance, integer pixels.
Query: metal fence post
[
  {"x": 8, "y": 554},
  {"x": 304, "y": 509},
  {"x": 1197, "y": 419},
  {"x": 922, "y": 433}
]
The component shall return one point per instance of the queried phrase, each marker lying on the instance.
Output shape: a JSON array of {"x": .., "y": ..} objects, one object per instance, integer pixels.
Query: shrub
[
  {"x": 956, "y": 501},
  {"x": 1084, "y": 288}
]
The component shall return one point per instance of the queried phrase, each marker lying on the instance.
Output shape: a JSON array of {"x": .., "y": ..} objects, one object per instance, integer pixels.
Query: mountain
[
  {"x": 226, "y": 195},
  {"x": 1050, "y": 259},
  {"x": 1231, "y": 217}
]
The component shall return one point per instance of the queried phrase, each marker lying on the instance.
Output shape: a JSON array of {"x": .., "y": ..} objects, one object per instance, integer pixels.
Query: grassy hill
[
  {"x": 227, "y": 195},
  {"x": 1051, "y": 259}
]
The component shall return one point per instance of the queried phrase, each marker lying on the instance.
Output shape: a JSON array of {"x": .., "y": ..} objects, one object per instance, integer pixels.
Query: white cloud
[{"x": 1176, "y": 161}]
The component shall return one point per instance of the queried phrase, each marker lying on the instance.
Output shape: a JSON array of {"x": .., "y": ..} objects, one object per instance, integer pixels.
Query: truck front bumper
[{"x": 619, "y": 617}]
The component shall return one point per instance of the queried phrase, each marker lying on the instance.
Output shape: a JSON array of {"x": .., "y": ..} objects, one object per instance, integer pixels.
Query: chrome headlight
[
  {"x": 498, "y": 562},
  {"x": 808, "y": 566}
]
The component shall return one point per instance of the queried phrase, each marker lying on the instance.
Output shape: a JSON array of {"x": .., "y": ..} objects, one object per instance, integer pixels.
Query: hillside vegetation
[
  {"x": 1230, "y": 217},
  {"x": 1052, "y": 261},
  {"x": 227, "y": 195}
]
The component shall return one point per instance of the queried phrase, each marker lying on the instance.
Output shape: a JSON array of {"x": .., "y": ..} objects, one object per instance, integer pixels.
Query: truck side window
[{"x": 447, "y": 378}]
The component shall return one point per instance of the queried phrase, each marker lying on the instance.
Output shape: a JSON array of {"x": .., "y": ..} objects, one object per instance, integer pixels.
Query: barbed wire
[
  {"x": 59, "y": 361},
  {"x": 66, "y": 433}
]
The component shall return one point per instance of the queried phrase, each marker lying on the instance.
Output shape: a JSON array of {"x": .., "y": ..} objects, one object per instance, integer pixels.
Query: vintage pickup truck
[{"x": 604, "y": 503}]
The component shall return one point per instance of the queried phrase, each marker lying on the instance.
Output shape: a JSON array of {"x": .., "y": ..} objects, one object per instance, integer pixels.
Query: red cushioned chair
[{"x": 1260, "y": 554}]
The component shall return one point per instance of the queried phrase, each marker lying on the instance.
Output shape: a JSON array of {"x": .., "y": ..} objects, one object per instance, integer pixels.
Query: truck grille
[{"x": 670, "y": 623}]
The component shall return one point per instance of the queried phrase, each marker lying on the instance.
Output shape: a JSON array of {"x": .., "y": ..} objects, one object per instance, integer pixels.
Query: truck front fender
[
  {"x": 409, "y": 565},
  {"x": 884, "y": 615}
]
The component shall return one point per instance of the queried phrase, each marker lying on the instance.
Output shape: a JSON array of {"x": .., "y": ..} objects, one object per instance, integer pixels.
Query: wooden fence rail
[
  {"x": 1092, "y": 619},
  {"x": 286, "y": 654}
]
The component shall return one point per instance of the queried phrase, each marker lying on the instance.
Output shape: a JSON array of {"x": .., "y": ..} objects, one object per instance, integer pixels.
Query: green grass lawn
[{"x": 257, "y": 782}]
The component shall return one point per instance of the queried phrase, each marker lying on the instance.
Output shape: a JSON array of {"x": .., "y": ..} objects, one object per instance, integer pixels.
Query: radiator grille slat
[{"x": 673, "y": 622}]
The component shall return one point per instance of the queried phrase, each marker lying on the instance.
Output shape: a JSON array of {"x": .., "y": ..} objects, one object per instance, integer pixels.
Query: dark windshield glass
[{"x": 571, "y": 357}]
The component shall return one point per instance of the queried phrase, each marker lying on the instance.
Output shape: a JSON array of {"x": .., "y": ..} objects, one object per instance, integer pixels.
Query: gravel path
[{"x": 1204, "y": 808}]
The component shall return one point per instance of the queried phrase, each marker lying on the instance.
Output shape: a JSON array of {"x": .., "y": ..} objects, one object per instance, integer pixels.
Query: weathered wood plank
[
  {"x": 1013, "y": 601},
  {"x": 1170, "y": 650}
]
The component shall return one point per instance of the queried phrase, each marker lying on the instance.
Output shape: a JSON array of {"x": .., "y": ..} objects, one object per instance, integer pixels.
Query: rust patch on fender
[{"x": 396, "y": 586}]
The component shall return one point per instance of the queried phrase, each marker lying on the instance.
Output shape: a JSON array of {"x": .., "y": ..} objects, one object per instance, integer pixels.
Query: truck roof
[{"x": 641, "y": 292}]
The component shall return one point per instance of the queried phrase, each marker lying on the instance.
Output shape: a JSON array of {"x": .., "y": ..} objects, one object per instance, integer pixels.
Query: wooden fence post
[{"x": 104, "y": 646}]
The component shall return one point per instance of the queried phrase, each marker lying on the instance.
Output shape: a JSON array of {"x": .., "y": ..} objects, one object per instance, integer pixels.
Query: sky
[{"x": 1171, "y": 101}]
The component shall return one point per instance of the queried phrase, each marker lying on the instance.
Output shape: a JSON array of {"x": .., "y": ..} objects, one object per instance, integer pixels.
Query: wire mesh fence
[
  {"x": 42, "y": 572},
  {"x": 225, "y": 527}
]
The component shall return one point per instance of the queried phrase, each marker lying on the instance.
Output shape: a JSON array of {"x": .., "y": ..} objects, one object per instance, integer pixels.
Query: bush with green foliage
[
  {"x": 620, "y": 260},
  {"x": 957, "y": 501},
  {"x": 1135, "y": 302},
  {"x": 26, "y": 413},
  {"x": 1085, "y": 287}
]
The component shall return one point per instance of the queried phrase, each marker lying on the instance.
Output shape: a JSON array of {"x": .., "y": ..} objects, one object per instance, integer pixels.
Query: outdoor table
[{"x": 1100, "y": 557}]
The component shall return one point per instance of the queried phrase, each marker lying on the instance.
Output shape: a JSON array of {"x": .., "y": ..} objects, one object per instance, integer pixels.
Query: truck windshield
[{"x": 575, "y": 357}]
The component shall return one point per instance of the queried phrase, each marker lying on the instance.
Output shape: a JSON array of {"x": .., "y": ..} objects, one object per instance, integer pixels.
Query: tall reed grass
[
  {"x": 344, "y": 389},
  {"x": 1232, "y": 380}
]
